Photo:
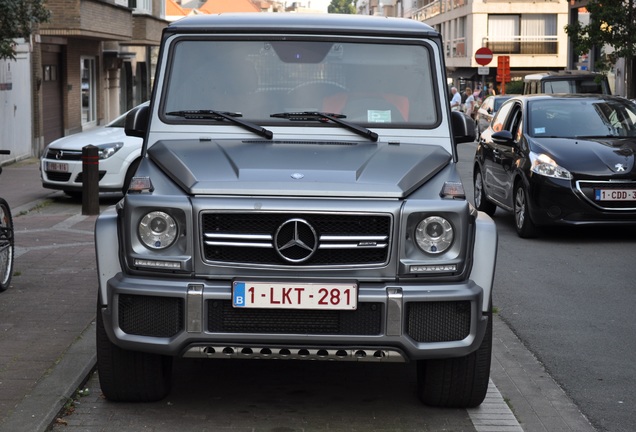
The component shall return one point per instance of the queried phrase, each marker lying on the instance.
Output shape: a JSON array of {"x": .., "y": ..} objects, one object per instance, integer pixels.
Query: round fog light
[
  {"x": 157, "y": 230},
  {"x": 434, "y": 235}
]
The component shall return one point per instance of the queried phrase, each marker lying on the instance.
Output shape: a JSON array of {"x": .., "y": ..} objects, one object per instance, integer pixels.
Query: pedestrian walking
[
  {"x": 456, "y": 101},
  {"x": 469, "y": 105}
]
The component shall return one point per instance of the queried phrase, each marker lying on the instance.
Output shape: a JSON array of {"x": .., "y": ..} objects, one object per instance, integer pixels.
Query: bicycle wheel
[{"x": 6, "y": 245}]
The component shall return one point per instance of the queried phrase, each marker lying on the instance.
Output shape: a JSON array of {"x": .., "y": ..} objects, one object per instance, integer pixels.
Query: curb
[{"x": 38, "y": 410}]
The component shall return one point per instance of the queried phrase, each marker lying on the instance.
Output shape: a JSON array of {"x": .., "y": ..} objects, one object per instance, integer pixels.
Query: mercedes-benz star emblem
[
  {"x": 619, "y": 167},
  {"x": 295, "y": 241}
]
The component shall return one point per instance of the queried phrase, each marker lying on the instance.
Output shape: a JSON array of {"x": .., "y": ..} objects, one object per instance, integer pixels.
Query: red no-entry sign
[{"x": 483, "y": 56}]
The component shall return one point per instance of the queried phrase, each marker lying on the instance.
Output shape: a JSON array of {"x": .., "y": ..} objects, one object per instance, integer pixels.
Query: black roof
[{"x": 301, "y": 24}]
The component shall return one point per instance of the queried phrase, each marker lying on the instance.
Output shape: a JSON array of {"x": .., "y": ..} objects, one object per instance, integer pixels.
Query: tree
[
  {"x": 342, "y": 7},
  {"x": 611, "y": 28},
  {"x": 17, "y": 19}
]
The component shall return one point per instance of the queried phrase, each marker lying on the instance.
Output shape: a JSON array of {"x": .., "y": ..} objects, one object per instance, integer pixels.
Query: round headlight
[
  {"x": 157, "y": 230},
  {"x": 434, "y": 235}
]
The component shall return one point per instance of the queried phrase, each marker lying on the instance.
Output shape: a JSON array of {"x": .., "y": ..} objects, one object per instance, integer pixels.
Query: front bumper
[
  {"x": 111, "y": 175},
  {"x": 393, "y": 322},
  {"x": 556, "y": 202}
]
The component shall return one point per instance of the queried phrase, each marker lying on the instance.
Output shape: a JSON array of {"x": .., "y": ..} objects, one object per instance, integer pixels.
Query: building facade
[
  {"x": 530, "y": 33},
  {"x": 91, "y": 62}
]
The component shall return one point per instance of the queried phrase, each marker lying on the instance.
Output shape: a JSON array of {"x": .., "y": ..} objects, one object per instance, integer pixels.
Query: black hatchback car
[{"x": 559, "y": 159}]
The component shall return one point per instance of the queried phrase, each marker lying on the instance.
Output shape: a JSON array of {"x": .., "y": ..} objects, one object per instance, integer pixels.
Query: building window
[
  {"x": 523, "y": 34},
  {"x": 88, "y": 94},
  {"x": 141, "y": 6},
  {"x": 49, "y": 72}
]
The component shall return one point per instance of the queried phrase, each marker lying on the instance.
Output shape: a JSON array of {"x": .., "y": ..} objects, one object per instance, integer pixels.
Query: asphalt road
[{"x": 569, "y": 295}]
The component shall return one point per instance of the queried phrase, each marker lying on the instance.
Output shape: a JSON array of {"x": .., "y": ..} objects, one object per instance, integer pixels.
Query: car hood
[
  {"x": 99, "y": 135},
  {"x": 597, "y": 156},
  {"x": 293, "y": 168}
]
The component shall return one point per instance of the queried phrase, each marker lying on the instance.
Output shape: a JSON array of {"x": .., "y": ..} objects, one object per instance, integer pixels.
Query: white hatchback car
[{"x": 119, "y": 156}]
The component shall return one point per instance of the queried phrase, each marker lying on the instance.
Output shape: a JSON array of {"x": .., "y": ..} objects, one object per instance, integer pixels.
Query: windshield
[
  {"x": 372, "y": 83},
  {"x": 588, "y": 85},
  {"x": 576, "y": 118}
]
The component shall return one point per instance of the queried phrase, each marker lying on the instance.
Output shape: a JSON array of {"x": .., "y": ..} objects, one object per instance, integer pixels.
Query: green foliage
[
  {"x": 342, "y": 7},
  {"x": 514, "y": 87},
  {"x": 17, "y": 18},
  {"x": 611, "y": 24}
]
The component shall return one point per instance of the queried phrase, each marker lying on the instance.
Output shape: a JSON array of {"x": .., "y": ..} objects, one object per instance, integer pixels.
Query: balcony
[
  {"x": 524, "y": 45},
  {"x": 88, "y": 19},
  {"x": 437, "y": 7}
]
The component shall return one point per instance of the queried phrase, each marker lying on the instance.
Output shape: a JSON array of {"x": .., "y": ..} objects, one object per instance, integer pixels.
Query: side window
[
  {"x": 499, "y": 121},
  {"x": 515, "y": 123}
]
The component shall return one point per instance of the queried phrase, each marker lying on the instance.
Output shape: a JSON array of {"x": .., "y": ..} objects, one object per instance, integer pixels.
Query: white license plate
[
  {"x": 615, "y": 194},
  {"x": 56, "y": 166},
  {"x": 290, "y": 295}
]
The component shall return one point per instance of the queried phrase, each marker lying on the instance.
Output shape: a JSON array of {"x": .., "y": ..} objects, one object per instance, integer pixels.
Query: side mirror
[
  {"x": 137, "y": 121},
  {"x": 503, "y": 137},
  {"x": 463, "y": 127}
]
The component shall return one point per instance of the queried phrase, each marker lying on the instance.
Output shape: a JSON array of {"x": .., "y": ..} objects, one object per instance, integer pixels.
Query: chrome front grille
[{"x": 296, "y": 239}]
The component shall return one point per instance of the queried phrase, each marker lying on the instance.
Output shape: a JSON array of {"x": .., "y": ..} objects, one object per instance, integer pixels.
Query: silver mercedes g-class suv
[{"x": 298, "y": 198}]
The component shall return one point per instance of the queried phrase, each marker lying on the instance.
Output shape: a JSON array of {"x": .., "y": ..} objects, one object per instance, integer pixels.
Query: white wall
[{"x": 16, "y": 106}]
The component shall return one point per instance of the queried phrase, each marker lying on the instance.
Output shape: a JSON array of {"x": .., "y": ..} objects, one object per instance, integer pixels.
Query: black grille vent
[
  {"x": 342, "y": 239},
  {"x": 80, "y": 176},
  {"x": 223, "y": 318},
  {"x": 438, "y": 321},
  {"x": 64, "y": 154},
  {"x": 150, "y": 315},
  {"x": 55, "y": 176}
]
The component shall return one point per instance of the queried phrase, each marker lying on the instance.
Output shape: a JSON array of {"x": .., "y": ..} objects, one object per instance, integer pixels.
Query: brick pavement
[{"x": 51, "y": 300}]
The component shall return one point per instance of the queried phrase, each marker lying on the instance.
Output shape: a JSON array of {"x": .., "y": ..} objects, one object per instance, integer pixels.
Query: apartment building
[
  {"x": 90, "y": 62},
  {"x": 530, "y": 33}
]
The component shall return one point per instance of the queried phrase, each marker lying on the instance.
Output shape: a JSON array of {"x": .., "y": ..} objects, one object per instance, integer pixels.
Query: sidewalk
[
  {"x": 51, "y": 300},
  {"x": 47, "y": 335},
  {"x": 20, "y": 185}
]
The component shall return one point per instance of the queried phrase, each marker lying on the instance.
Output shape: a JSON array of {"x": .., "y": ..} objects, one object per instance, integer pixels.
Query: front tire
[
  {"x": 6, "y": 245},
  {"x": 457, "y": 382},
  {"x": 523, "y": 224},
  {"x": 481, "y": 202},
  {"x": 130, "y": 376}
]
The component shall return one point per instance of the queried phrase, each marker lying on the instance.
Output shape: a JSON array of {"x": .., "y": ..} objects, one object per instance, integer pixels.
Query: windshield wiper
[
  {"x": 223, "y": 115},
  {"x": 323, "y": 117}
]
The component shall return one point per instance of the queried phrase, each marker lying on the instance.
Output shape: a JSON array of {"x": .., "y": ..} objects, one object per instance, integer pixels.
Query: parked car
[
  {"x": 119, "y": 156},
  {"x": 303, "y": 204},
  {"x": 487, "y": 111},
  {"x": 559, "y": 159},
  {"x": 566, "y": 81}
]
